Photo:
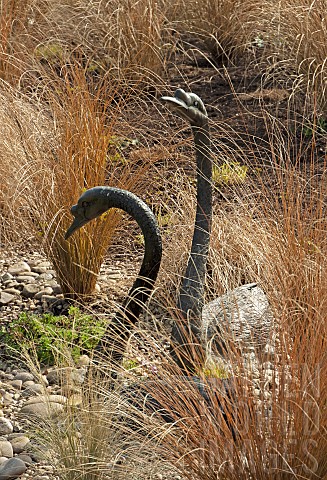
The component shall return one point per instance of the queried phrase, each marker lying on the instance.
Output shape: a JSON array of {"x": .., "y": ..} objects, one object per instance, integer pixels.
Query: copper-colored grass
[
  {"x": 13, "y": 28},
  {"x": 296, "y": 31},
  {"x": 82, "y": 160},
  {"x": 25, "y": 132},
  {"x": 271, "y": 230},
  {"x": 277, "y": 410},
  {"x": 139, "y": 38},
  {"x": 273, "y": 423},
  {"x": 47, "y": 167},
  {"x": 123, "y": 39},
  {"x": 225, "y": 27}
]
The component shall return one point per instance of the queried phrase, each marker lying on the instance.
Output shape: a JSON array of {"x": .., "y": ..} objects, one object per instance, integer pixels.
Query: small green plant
[
  {"x": 50, "y": 52},
  {"x": 49, "y": 335},
  {"x": 320, "y": 127},
  {"x": 116, "y": 147},
  {"x": 229, "y": 173},
  {"x": 130, "y": 363},
  {"x": 215, "y": 370},
  {"x": 122, "y": 142},
  {"x": 139, "y": 239},
  {"x": 259, "y": 41},
  {"x": 163, "y": 219}
]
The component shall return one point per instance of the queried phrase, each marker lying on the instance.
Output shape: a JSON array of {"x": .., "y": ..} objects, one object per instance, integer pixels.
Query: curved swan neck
[
  {"x": 191, "y": 295},
  {"x": 141, "y": 213}
]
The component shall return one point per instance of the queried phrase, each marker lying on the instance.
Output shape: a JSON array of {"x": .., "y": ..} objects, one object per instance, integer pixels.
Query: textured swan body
[
  {"x": 244, "y": 312},
  {"x": 243, "y": 315},
  {"x": 92, "y": 204}
]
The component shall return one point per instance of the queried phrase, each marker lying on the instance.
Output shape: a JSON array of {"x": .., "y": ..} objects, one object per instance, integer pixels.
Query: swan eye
[{"x": 85, "y": 204}]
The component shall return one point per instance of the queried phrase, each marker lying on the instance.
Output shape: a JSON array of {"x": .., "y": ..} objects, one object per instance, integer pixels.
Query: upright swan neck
[
  {"x": 191, "y": 295},
  {"x": 134, "y": 206}
]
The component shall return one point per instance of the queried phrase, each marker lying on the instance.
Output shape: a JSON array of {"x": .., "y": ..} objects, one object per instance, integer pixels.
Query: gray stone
[
  {"x": 83, "y": 361},
  {"x": 26, "y": 459},
  {"x": 24, "y": 376},
  {"x": 30, "y": 290},
  {"x": 44, "y": 291},
  {"x": 52, "y": 272},
  {"x": 25, "y": 280},
  {"x": 6, "y": 276},
  {"x": 19, "y": 443},
  {"x": 6, "y": 298},
  {"x": 11, "y": 284},
  {"x": 28, "y": 274},
  {"x": 43, "y": 410},
  {"x": 6, "y": 449},
  {"x": 7, "y": 397},
  {"x": 77, "y": 375},
  {"x": 54, "y": 377},
  {"x": 12, "y": 291},
  {"x": 34, "y": 261},
  {"x": 28, "y": 383},
  {"x": 47, "y": 399},
  {"x": 46, "y": 276},
  {"x": 16, "y": 383},
  {"x": 19, "y": 268},
  {"x": 30, "y": 390},
  {"x": 45, "y": 264},
  {"x": 51, "y": 283},
  {"x": 39, "y": 270},
  {"x": 12, "y": 468},
  {"x": 14, "y": 435},
  {"x": 5, "y": 426},
  {"x": 57, "y": 290}
]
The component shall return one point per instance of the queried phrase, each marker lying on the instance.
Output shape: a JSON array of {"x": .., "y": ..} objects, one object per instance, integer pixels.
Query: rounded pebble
[
  {"x": 12, "y": 468},
  {"x": 5, "y": 426}
]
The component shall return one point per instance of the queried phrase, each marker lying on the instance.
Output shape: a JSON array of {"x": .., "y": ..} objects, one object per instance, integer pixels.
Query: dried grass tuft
[{"x": 295, "y": 33}]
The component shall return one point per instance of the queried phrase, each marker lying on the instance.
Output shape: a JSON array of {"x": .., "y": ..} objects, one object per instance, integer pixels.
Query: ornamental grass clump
[
  {"x": 82, "y": 160},
  {"x": 224, "y": 29},
  {"x": 15, "y": 39},
  {"x": 295, "y": 33},
  {"x": 52, "y": 158}
]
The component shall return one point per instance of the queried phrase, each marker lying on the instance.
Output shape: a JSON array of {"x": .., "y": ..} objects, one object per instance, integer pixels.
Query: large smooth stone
[{"x": 12, "y": 468}]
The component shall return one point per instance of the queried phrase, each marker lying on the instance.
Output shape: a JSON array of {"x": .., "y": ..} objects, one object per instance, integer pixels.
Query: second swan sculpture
[
  {"x": 243, "y": 312},
  {"x": 92, "y": 204}
]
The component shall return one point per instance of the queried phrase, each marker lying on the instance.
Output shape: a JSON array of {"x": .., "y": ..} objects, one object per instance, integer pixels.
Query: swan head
[
  {"x": 90, "y": 205},
  {"x": 188, "y": 106}
]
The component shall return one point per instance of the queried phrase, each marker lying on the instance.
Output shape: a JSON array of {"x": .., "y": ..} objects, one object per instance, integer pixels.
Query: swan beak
[
  {"x": 188, "y": 106},
  {"x": 176, "y": 105},
  {"x": 78, "y": 222},
  {"x": 180, "y": 102}
]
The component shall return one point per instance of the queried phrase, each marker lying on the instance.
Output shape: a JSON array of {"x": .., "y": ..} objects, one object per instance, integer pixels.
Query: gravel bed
[{"x": 28, "y": 284}]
